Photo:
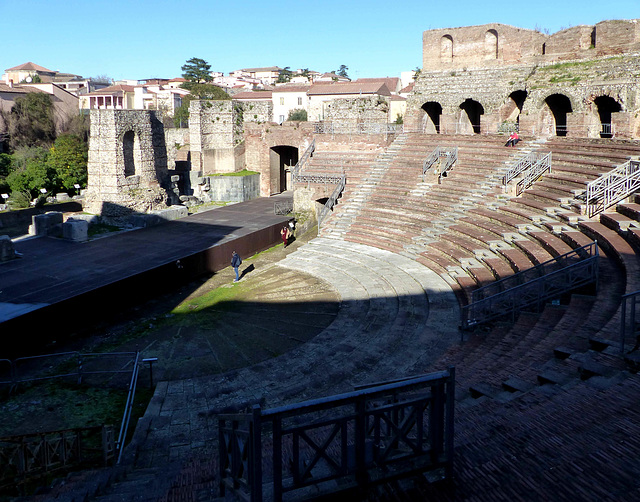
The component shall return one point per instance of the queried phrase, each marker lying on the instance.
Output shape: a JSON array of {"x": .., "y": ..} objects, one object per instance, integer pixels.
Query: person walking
[{"x": 236, "y": 261}]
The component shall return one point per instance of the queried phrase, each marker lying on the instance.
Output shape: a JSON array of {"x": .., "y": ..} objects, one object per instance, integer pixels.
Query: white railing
[
  {"x": 303, "y": 160},
  {"x": 522, "y": 164},
  {"x": 331, "y": 201},
  {"x": 536, "y": 170},
  {"x": 450, "y": 156},
  {"x": 359, "y": 128},
  {"x": 613, "y": 187}
]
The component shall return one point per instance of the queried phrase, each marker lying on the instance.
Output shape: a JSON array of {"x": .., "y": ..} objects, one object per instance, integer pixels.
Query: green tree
[
  {"x": 284, "y": 75},
  {"x": 67, "y": 162},
  {"x": 197, "y": 70},
  {"x": 197, "y": 91},
  {"x": 32, "y": 173},
  {"x": 342, "y": 71},
  {"x": 5, "y": 165},
  {"x": 30, "y": 121},
  {"x": 297, "y": 114},
  {"x": 417, "y": 72}
]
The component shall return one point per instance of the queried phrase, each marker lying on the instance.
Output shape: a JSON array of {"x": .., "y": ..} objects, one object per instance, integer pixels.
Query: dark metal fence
[
  {"x": 345, "y": 442},
  {"x": 629, "y": 317},
  {"x": 32, "y": 456},
  {"x": 532, "y": 287}
]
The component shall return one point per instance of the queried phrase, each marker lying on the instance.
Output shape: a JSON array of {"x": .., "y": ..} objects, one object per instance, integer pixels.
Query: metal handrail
[
  {"x": 631, "y": 298},
  {"x": 303, "y": 160},
  {"x": 126, "y": 416},
  {"x": 612, "y": 187},
  {"x": 587, "y": 251},
  {"x": 522, "y": 164},
  {"x": 487, "y": 304},
  {"x": 357, "y": 128},
  {"x": 451, "y": 156},
  {"x": 533, "y": 173},
  {"x": 368, "y": 426},
  {"x": 331, "y": 201}
]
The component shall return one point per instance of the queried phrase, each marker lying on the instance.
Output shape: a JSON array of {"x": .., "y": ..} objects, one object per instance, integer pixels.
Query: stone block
[
  {"x": 62, "y": 197},
  {"x": 7, "y": 249},
  {"x": 172, "y": 212},
  {"x": 146, "y": 220},
  {"x": 75, "y": 230}
]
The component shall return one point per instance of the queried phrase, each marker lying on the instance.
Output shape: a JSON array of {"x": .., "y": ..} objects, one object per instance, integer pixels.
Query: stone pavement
[{"x": 394, "y": 320}]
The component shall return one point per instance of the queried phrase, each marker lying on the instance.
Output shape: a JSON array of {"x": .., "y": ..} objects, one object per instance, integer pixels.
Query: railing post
[
  {"x": 360, "y": 444},
  {"x": 449, "y": 422},
  {"x": 277, "y": 459},
  {"x": 223, "y": 455},
  {"x": 255, "y": 456},
  {"x": 623, "y": 324}
]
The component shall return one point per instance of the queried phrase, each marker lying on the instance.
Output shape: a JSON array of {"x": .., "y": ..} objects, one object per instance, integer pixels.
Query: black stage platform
[{"x": 57, "y": 281}]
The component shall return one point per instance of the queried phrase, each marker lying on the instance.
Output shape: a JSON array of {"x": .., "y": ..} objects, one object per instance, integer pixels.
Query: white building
[{"x": 289, "y": 97}]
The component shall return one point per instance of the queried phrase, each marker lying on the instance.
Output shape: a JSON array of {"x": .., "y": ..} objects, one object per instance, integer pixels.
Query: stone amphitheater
[{"x": 547, "y": 402}]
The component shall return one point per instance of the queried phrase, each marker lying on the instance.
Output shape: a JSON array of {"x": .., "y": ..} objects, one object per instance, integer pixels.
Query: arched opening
[
  {"x": 491, "y": 44},
  {"x": 446, "y": 49},
  {"x": 560, "y": 105},
  {"x": 129, "y": 147},
  {"x": 433, "y": 111},
  {"x": 473, "y": 110},
  {"x": 593, "y": 38},
  {"x": 281, "y": 159},
  {"x": 510, "y": 111},
  {"x": 606, "y": 106},
  {"x": 544, "y": 49}
]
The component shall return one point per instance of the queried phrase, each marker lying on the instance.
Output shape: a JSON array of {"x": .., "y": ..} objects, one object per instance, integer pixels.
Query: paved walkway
[{"x": 394, "y": 320}]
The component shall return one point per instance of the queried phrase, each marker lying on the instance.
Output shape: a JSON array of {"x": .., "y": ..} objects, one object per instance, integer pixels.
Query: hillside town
[{"x": 287, "y": 90}]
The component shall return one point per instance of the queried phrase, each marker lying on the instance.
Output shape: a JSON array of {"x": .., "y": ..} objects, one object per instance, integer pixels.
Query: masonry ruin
[{"x": 488, "y": 79}]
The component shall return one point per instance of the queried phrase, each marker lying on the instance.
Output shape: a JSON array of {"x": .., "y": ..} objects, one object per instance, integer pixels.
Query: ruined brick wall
[
  {"x": 256, "y": 111},
  {"x": 175, "y": 139},
  {"x": 127, "y": 162},
  {"x": 496, "y": 44},
  {"x": 346, "y": 113}
]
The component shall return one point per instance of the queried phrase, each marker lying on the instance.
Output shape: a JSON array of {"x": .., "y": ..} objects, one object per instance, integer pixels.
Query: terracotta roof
[
  {"x": 395, "y": 97},
  {"x": 178, "y": 79},
  {"x": 268, "y": 68},
  {"x": 30, "y": 67},
  {"x": 349, "y": 88},
  {"x": 392, "y": 82},
  {"x": 18, "y": 89},
  {"x": 253, "y": 95},
  {"x": 291, "y": 88},
  {"x": 408, "y": 89},
  {"x": 113, "y": 89}
]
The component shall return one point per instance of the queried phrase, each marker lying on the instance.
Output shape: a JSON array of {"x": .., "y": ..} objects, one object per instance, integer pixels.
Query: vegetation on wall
[
  {"x": 297, "y": 114},
  {"x": 197, "y": 73},
  {"x": 30, "y": 121}
]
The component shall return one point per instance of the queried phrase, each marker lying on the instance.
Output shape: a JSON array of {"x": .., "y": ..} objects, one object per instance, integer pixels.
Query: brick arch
[
  {"x": 491, "y": 44},
  {"x": 446, "y": 49}
]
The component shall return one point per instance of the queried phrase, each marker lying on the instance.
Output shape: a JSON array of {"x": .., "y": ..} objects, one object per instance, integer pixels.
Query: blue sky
[{"x": 140, "y": 39}]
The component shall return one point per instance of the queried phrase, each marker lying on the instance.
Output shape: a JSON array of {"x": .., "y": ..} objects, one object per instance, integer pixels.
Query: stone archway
[
  {"x": 491, "y": 44},
  {"x": 446, "y": 49},
  {"x": 431, "y": 120},
  {"x": 281, "y": 159},
  {"x": 469, "y": 121},
  {"x": 127, "y": 165},
  {"x": 559, "y": 106},
  {"x": 606, "y": 105},
  {"x": 510, "y": 111}
]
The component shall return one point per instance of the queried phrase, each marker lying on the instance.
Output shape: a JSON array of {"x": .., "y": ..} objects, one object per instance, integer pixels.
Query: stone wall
[
  {"x": 520, "y": 93},
  {"x": 175, "y": 139},
  {"x": 496, "y": 44},
  {"x": 229, "y": 188},
  {"x": 127, "y": 163},
  {"x": 346, "y": 113}
]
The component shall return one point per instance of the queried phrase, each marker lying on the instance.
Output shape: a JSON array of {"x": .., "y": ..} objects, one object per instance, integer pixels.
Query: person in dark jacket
[{"x": 236, "y": 261}]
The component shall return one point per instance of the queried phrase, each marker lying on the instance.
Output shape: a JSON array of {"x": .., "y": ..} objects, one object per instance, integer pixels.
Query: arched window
[
  {"x": 560, "y": 105},
  {"x": 446, "y": 49},
  {"x": 491, "y": 44},
  {"x": 128, "y": 147},
  {"x": 433, "y": 109}
]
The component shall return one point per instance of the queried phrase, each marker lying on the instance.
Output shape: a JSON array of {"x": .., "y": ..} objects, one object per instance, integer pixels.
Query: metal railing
[
  {"x": 357, "y": 128},
  {"x": 612, "y": 187},
  {"x": 532, "y": 287},
  {"x": 352, "y": 440},
  {"x": 128, "y": 407},
  {"x": 628, "y": 317},
  {"x": 450, "y": 156},
  {"x": 32, "y": 456},
  {"x": 331, "y": 201},
  {"x": 282, "y": 207},
  {"x": 533, "y": 173},
  {"x": 303, "y": 160},
  {"x": 522, "y": 164}
]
